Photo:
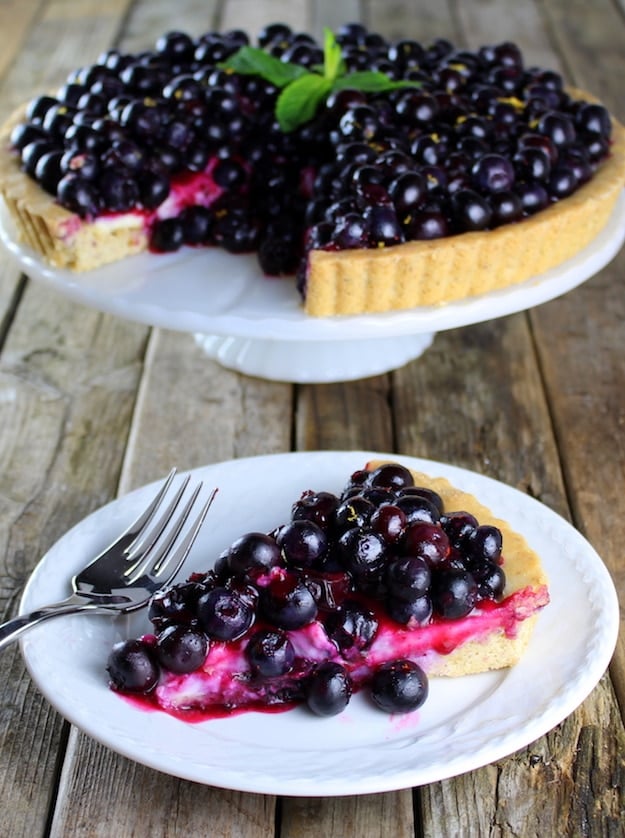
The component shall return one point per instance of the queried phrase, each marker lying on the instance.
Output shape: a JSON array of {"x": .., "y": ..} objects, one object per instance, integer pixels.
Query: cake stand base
[{"x": 314, "y": 361}]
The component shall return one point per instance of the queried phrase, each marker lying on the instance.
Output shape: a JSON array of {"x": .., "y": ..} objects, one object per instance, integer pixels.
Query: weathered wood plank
[
  {"x": 205, "y": 414},
  {"x": 501, "y": 426},
  {"x": 67, "y": 391},
  {"x": 49, "y": 51},
  {"x": 582, "y": 336},
  {"x": 252, "y": 16},
  {"x": 16, "y": 17},
  {"x": 190, "y": 411},
  {"x": 62, "y": 372},
  {"x": 424, "y": 20},
  {"x": 366, "y": 816}
]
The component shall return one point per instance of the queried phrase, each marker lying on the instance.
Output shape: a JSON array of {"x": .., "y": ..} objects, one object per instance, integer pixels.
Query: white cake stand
[{"x": 256, "y": 325}]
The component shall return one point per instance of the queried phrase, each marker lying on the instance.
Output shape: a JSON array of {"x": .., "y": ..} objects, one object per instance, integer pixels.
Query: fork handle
[{"x": 12, "y": 629}]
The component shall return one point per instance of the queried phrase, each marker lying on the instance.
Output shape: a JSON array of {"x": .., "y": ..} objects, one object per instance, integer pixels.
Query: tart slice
[{"x": 400, "y": 578}]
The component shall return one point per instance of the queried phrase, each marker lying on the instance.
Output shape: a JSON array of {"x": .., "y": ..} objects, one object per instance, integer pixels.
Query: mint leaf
[
  {"x": 299, "y": 101},
  {"x": 370, "y": 81},
  {"x": 333, "y": 63},
  {"x": 252, "y": 61}
]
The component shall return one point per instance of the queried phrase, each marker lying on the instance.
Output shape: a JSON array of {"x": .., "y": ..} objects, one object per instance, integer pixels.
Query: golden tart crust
[{"x": 524, "y": 573}]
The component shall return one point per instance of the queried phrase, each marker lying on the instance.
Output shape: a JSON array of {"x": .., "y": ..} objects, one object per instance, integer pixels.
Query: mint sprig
[
  {"x": 302, "y": 90},
  {"x": 252, "y": 61}
]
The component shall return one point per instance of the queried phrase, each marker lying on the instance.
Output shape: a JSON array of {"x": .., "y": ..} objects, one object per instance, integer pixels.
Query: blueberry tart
[
  {"x": 382, "y": 175},
  {"x": 398, "y": 578}
]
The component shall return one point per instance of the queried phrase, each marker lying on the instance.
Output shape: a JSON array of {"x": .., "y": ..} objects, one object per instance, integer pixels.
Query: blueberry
[
  {"x": 408, "y": 577},
  {"x": 362, "y": 552},
  {"x": 470, "y": 210},
  {"x": 418, "y": 508},
  {"x": 197, "y": 224},
  {"x": 389, "y": 520},
  {"x": 429, "y": 541},
  {"x": 490, "y": 578},
  {"x": 558, "y": 127},
  {"x": 493, "y": 173},
  {"x": 410, "y": 613},
  {"x": 181, "y": 649},
  {"x": 302, "y": 543},
  {"x": 427, "y": 224},
  {"x": 329, "y": 689},
  {"x": 423, "y": 492},
  {"x": 176, "y": 604},
  {"x": 533, "y": 163},
  {"x": 132, "y": 667},
  {"x": 25, "y": 133},
  {"x": 460, "y": 527},
  {"x": 485, "y": 543},
  {"x": 390, "y": 476},
  {"x": 287, "y": 603},
  {"x": 352, "y": 627},
  {"x": 319, "y": 507},
  {"x": 48, "y": 171},
  {"x": 224, "y": 614},
  {"x": 351, "y": 232},
  {"x": 119, "y": 191},
  {"x": 253, "y": 552},
  {"x": 355, "y": 511},
  {"x": 454, "y": 593},
  {"x": 533, "y": 195},
  {"x": 400, "y": 686},
  {"x": 167, "y": 235},
  {"x": 270, "y": 653},
  {"x": 594, "y": 119},
  {"x": 78, "y": 195},
  {"x": 507, "y": 207}
]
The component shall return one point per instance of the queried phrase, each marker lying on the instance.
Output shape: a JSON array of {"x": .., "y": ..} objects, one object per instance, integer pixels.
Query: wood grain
[
  {"x": 582, "y": 356},
  {"x": 90, "y": 405}
]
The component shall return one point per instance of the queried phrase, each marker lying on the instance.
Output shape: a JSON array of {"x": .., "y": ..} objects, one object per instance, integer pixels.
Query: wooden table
[{"x": 92, "y": 405}]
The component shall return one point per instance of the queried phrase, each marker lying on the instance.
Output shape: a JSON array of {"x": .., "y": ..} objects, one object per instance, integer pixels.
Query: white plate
[
  {"x": 464, "y": 724},
  {"x": 257, "y": 325}
]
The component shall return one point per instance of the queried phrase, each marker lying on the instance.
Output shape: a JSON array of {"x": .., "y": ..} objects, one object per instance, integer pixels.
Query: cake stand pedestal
[{"x": 314, "y": 361}]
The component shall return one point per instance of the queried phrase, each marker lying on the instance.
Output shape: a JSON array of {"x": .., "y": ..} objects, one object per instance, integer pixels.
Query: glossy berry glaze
[
  {"x": 366, "y": 590},
  {"x": 480, "y": 141}
]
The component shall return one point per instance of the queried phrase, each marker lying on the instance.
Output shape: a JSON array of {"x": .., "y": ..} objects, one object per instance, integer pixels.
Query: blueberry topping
[
  {"x": 224, "y": 614},
  {"x": 302, "y": 543},
  {"x": 181, "y": 648},
  {"x": 132, "y": 667},
  {"x": 352, "y": 627},
  {"x": 482, "y": 142},
  {"x": 329, "y": 689},
  {"x": 270, "y": 653},
  {"x": 399, "y": 687},
  {"x": 287, "y": 602},
  {"x": 253, "y": 552},
  {"x": 454, "y": 593}
]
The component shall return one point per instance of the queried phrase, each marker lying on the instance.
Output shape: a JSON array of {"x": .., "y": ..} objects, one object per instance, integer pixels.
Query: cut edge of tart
[
  {"x": 439, "y": 271},
  {"x": 493, "y": 634}
]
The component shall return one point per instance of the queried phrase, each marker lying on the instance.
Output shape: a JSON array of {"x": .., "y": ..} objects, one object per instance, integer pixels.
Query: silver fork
[{"x": 124, "y": 576}]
